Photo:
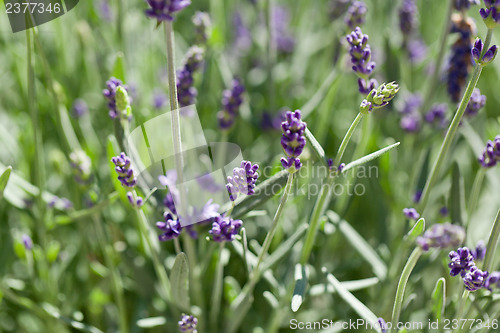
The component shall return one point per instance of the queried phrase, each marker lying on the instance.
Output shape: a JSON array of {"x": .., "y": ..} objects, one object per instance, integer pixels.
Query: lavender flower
[
  {"x": 410, "y": 123},
  {"x": 134, "y": 202},
  {"x": 81, "y": 165},
  {"x": 491, "y": 14},
  {"x": 443, "y": 211},
  {"x": 202, "y": 24},
  {"x": 460, "y": 62},
  {"x": 27, "y": 242},
  {"x": 185, "y": 90},
  {"x": 442, "y": 236},
  {"x": 231, "y": 102},
  {"x": 407, "y": 18},
  {"x": 461, "y": 261},
  {"x": 480, "y": 251},
  {"x": 105, "y": 11},
  {"x": 110, "y": 93},
  {"x": 379, "y": 97},
  {"x": 79, "y": 108},
  {"x": 338, "y": 8},
  {"x": 163, "y": 10},
  {"x": 476, "y": 103},
  {"x": 488, "y": 56},
  {"x": 417, "y": 50},
  {"x": 243, "y": 180},
  {"x": 124, "y": 170},
  {"x": 188, "y": 324},
  {"x": 493, "y": 278},
  {"x": 417, "y": 196},
  {"x": 171, "y": 227},
  {"x": 159, "y": 100},
  {"x": 61, "y": 203},
  {"x": 293, "y": 140},
  {"x": 475, "y": 279},
  {"x": 382, "y": 324},
  {"x": 356, "y": 13},
  {"x": 491, "y": 154},
  {"x": 168, "y": 202},
  {"x": 437, "y": 113},
  {"x": 280, "y": 22},
  {"x": 361, "y": 60},
  {"x": 225, "y": 228},
  {"x": 411, "y": 213}
]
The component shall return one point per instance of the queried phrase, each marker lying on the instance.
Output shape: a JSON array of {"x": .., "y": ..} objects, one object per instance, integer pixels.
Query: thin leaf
[
  {"x": 179, "y": 278},
  {"x": 300, "y": 287},
  {"x": 360, "y": 244},
  {"x": 439, "y": 299},
  {"x": 271, "y": 299},
  {"x": 316, "y": 146},
  {"x": 263, "y": 192},
  {"x": 417, "y": 230},
  {"x": 362, "y": 310},
  {"x": 369, "y": 157},
  {"x": 119, "y": 67},
  {"x": 151, "y": 322},
  {"x": 284, "y": 248},
  {"x": 354, "y": 285},
  {"x": 4, "y": 178},
  {"x": 456, "y": 201}
]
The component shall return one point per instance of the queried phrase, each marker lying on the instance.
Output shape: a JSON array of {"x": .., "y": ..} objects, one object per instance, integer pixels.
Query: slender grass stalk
[
  {"x": 116, "y": 281},
  {"x": 217, "y": 291},
  {"x": 476, "y": 191},
  {"x": 410, "y": 264},
  {"x": 346, "y": 139},
  {"x": 39, "y": 172},
  {"x": 492, "y": 244},
  {"x": 431, "y": 88}
]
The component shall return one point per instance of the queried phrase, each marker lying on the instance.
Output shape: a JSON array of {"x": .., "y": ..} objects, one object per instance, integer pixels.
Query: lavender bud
[
  {"x": 124, "y": 170},
  {"x": 475, "y": 279},
  {"x": 79, "y": 108},
  {"x": 411, "y": 213},
  {"x": 171, "y": 228},
  {"x": 408, "y": 17},
  {"x": 480, "y": 251},
  {"x": 163, "y": 10},
  {"x": 338, "y": 8},
  {"x": 477, "y": 50},
  {"x": 202, "y": 24},
  {"x": 437, "y": 113},
  {"x": 293, "y": 140},
  {"x": 382, "y": 324},
  {"x": 110, "y": 93},
  {"x": 461, "y": 261},
  {"x": 27, "y": 242},
  {"x": 123, "y": 102},
  {"x": 442, "y": 236},
  {"x": 491, "y": 14},
  {"x": 185, "y": 90},
  {"x": 81, "y": 165},
  {"x": 243, "y": 180},
  {"x": 231, "y": 102},
  {"x": 225, "y": 228},
  {"x": 135, "y": 203},
  {"x": 380, "y": 97},
  {"x": 490, "y": 55},
  {"x": 188, "y": 324},
  {"x": 491, "y": 154},
  {"x": 476, "y": 103},
  {"x": 462, "y": 5},
  {"x": 493, "y": 278},
  {"x": 356, "y": 13}
]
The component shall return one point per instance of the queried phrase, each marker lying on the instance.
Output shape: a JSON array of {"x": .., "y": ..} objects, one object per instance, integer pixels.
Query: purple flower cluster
[
  {"x": 81, "y": 165},
  {"x": 462, "y": 5},
  {"x": 171, "y": 227},
  {"x": 185, "y": 90},
  {"x": 479, "y": 252},
  {"x": 159, "y": 100},
  {"x": 188, "y": 324},
  {"x": 437, "y": 114},
  {"x": 476, "y": 103},
  {"x": 124, "y": 170},
  {"x": 408, "y": 18},
  {"x": 460, "y": 62},
  {"x": 442, "y": 236},
  {"x": 379, "y": 97},
  {"x": 462, "y": 262},
  {"x": 293, "y": 140},
  {"x": 231, "y": 102},
  {"x": 491, "y": 14},
  {"x": 168, "y": 202},
  {"x": 202, "y": 24},
  {"x": 60, "y": 203},
  {"x": 491, "y": 154},
  {"x": 361, "y": 61},
  {"x": 493, "y": 278},
  {"x": 411, "y": 120},
  {"x": 224, "y": 229},
  {"x": 163, "y": 10},
  {"x": 411, "y": 213},
  {"x": 79, "y": 108},
  {"x": 110, "y": 93},
  {"x": 337, "y": 8},
  {"x": 243, "y": 180},
  {"x": 475, "y": 278},
  {"x": 135, "y": 202},
  {"x": 356, "y": 13},
  {"x": 280, "y": 23},
  {"x": 27, "y": 242},
  {"x": 488, "y": 56}
]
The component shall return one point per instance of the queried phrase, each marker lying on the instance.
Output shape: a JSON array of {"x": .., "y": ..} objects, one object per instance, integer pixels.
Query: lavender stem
[
  {"x": 492, "y": 244},
  {"x": 217, "y": 291}
]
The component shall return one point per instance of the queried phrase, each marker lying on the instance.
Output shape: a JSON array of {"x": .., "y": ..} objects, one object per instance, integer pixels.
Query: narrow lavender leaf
[
  {"x": 370, "y": 157},
  {"x": 300, "y": 287},
  {"x": 4, "y": 179},
  {"x": 179, "y": 277},
  {"x": 439, "y": 298}
]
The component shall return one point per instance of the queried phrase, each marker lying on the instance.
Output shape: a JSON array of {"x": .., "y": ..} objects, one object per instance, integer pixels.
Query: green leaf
[
  {"x": 4, "y": 178},
  {"x": 284, "y": 248},
  {"x": 231, "y": 289},
  {"x": 179, "y": 278},
  {"x": 439, "y": 298},
  {"x": 53, "y": 251},
  {"x": 360, "y": 244},
  {"x": 239, "y": 308},
  {"x": 369, "y": 157},
  {"x": 316, "y": 146},
  {"x": 456, "y": 201},
  {"x": 263, "y": 192},
  {"x": 417, "y": 230},
  {"x": 362, "y": 310},
  {"x": 300, "y": 287},
  {"x": 151, "y": 322},
  {"x": 353, "y": 285},
  {"x": 271, "y": 299},
  {"x": 119, "y": 67}
]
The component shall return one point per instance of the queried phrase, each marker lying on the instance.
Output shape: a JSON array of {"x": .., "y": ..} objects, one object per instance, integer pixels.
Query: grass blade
[
  {"x": 179, "y": 278},
  {"x": 4, "y": 178},
  {"x": 456, "y": 201},
  {"x": 370, "y": 157},
  {"x": 439, "y": 299}
]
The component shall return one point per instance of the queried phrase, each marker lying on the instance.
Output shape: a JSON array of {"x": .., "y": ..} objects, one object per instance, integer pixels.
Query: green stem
[
  {"x": 410, "y": 264},
  {"x": 448, "y": 140},
  {"x": 439, "y": 60},
  {"x": 476, "y": 191},
  {"x": 461, "y": 308},
  {"x": 116, "y": 281},
  {"x": 492, "y": 244},
  {"x": 39, "y": 164},
  {"x": 217, "y": 291},
  {"x": 346, "y": 139}
]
